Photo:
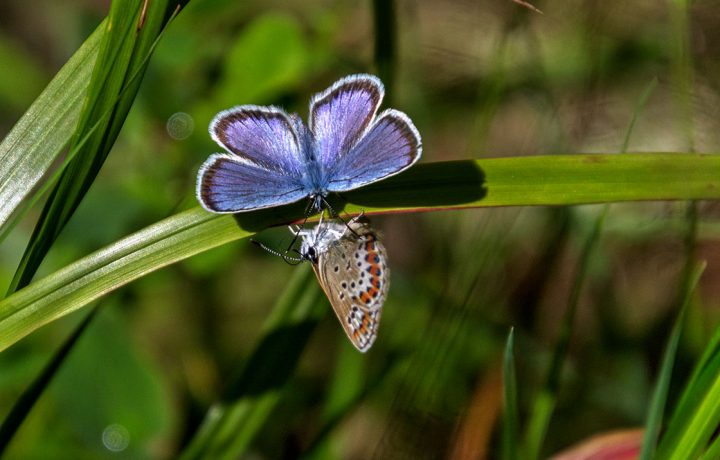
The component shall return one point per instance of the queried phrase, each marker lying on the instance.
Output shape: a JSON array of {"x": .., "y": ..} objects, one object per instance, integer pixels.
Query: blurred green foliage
[{"x": 478, "y": 79}]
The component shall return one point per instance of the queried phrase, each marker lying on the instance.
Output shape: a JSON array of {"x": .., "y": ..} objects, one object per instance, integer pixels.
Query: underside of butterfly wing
[{"x": 354, "y": 274}]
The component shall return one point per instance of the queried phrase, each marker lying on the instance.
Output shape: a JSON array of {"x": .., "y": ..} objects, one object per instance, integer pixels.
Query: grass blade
[
  {"x": 543, "y": 180},
  {"x": 691, "y": 276},
  {"x": 131, "y": 29},
  {"x": 27, "y": 399},
  {"x": 442, "y": 186},
  {"x": 36, "y": 140},
  {"x": 697, "y": 416},
  {"x": 78, "y": 284},
  {"x": 657, "y": 406},
  {"x": 511, "y": 419}
]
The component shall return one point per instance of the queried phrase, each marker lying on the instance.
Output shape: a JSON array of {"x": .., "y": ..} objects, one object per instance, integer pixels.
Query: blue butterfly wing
[
  {"x": 265, "y": 166},
  {"x": 390, "y": 146},
  {"x": 340, "y": 115},
  {"x": 227, "y": 184}
]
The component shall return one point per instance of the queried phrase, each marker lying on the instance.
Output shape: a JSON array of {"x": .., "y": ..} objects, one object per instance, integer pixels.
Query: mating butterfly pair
[{"x": 274, "y": 159}]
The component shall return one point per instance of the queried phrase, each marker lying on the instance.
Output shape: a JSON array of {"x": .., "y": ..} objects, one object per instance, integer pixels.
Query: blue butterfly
[{"x": 274, "y": 159}]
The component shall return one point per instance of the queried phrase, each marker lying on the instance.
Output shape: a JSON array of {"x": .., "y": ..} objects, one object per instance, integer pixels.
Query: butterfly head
[{"x": 308, "y": 252}]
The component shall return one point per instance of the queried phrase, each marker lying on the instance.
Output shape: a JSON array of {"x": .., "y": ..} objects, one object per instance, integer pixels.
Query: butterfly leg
[
  {"x": 332, "y": 211},
  {"x": 312, "y": 205}
]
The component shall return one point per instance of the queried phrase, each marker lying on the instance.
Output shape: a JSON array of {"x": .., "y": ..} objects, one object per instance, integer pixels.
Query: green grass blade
[
  {"x": 54, "y": 178},
  {"x": 691, "y": 275},
  {"x": 698, "y": 412},
  {"x": 709, "y": 360},
  {"x": 27, "y": 399},
  {"x": 36, "y": 140},
  {"x": 442, "y": 185},
  {"x": 26, "y": 402},
  {"x": 701, "y": 425},
  {"x": 131, "y": 29},
  {"x": 644, "y": 97},
  {"x": 544, "y": 180},
  {"x": 231, "y": 426},
  {"x": 76, "y": 285},
  {"x": 659, "y": 398},
  {"x": 511, "y": 417},
  {"x": 713, "y": 451}
]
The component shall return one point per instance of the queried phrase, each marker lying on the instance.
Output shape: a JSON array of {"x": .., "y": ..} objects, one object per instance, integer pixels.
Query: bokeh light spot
[
  {"x": 180, "y": 125},
  {"x": 116, "y": 437}
]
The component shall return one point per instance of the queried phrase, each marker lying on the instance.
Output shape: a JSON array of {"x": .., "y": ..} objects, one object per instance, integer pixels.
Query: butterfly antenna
[{"x": 290, "y": 260}]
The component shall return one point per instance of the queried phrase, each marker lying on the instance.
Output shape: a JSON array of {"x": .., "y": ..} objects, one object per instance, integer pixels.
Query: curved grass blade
[
  {"x": 27, "y": 400},
  {"x": 657, "y": 406},
  {"x": 697, "y": 417},
  {"x": 705, "y": 370},
  {"x": 52, "y": 181},
  {"x": 690, "y": 277},
  {"x": 196, "y": 230},
  {"x": 131, "y": 29},
  {"x": 697, "y": 414},
  {"x": 78, "y": 284},
  {"x": 36, "y": 140}
]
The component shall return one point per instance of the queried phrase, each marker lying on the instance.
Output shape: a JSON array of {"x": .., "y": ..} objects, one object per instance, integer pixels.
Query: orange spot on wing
[{"x": 364, "y": 297}]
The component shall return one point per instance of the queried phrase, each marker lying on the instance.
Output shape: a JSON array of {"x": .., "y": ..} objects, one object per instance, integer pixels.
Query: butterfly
[
  {"x": 350, "y": 264},
  {"x": 273, "y": 159}
]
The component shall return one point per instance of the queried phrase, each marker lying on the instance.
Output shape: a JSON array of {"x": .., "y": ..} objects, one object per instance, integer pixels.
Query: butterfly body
[
  {"x": 350, "y": 263},
  {"x": 273, "y": 158}
]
